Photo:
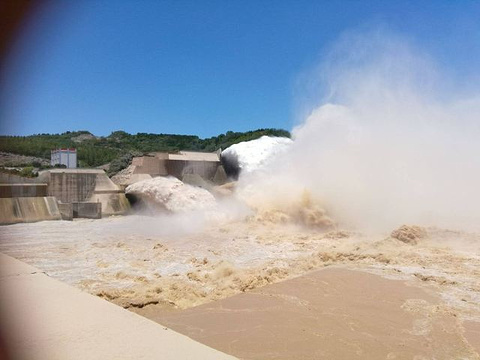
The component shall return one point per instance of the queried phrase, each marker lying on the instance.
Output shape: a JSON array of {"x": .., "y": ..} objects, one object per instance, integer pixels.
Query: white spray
[{"x": 386, "y": 146}]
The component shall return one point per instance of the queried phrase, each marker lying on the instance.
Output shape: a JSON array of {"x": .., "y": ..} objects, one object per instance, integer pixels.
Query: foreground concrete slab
[
  {"x": 330, "y": 314},
  {"x": 42, "y": 318}
]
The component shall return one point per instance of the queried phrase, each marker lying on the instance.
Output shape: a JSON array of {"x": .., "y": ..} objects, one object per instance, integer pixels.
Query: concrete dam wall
[
  {"x": 6, "y": 178},
  {"x": 22, "y": 190},
  {"x": 60, "y": 194},
  {"x": 86, "y": 186},
  {"x": 70, "y": 187},
  {"x": 28, "y": 209}
]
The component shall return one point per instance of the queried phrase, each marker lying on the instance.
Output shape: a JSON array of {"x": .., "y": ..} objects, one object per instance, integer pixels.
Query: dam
[{"x": 60, "y": 194}]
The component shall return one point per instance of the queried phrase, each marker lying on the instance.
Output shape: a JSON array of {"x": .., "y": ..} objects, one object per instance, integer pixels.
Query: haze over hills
[{"x": 119, "y": 147}]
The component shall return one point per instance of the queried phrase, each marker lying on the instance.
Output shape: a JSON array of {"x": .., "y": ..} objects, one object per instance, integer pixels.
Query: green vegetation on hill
[{"x": 119, "y": 146}]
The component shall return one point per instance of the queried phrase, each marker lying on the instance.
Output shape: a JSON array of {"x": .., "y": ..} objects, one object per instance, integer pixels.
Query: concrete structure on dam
[
  {"x": 6, "y": 178},
  {"x": 60, "y": 194},
  {"x": 72, "y": 186},
  {"x": 25, "y": 202},
  {"x": 187, "y": 166},
  {"x": 23, "y": 190},
  {"x": 28, "y": 209}
]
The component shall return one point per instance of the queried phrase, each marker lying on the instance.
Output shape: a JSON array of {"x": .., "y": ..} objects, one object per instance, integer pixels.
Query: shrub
[{"x": 28, "y": 172}]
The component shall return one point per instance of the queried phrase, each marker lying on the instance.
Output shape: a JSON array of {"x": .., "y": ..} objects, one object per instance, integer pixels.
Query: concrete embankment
[
  {"x": 28, "y": 209},
  {"x": 42, "y": 318}
]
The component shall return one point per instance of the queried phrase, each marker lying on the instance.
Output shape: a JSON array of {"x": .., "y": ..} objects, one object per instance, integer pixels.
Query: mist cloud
[{"x": 391, "y": 141}]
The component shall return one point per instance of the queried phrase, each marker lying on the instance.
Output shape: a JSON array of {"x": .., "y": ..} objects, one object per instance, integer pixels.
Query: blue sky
[{"x": 199, "y": 67}]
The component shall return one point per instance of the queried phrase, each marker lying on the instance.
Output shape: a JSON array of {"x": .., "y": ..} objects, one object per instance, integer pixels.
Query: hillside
[{"x": 119, "y": 147}]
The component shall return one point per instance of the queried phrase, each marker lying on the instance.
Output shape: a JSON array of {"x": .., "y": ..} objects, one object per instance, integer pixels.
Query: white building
[{"x": 67, "y": 157}]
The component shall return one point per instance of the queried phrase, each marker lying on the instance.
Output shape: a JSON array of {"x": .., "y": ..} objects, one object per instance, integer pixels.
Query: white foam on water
[{"x": 174, "y": 195}]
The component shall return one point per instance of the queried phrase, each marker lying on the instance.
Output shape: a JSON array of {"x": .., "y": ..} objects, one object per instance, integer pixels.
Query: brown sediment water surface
[
  {"x": 328, "y": 314},
  {"x": 421, "y": 286}
]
